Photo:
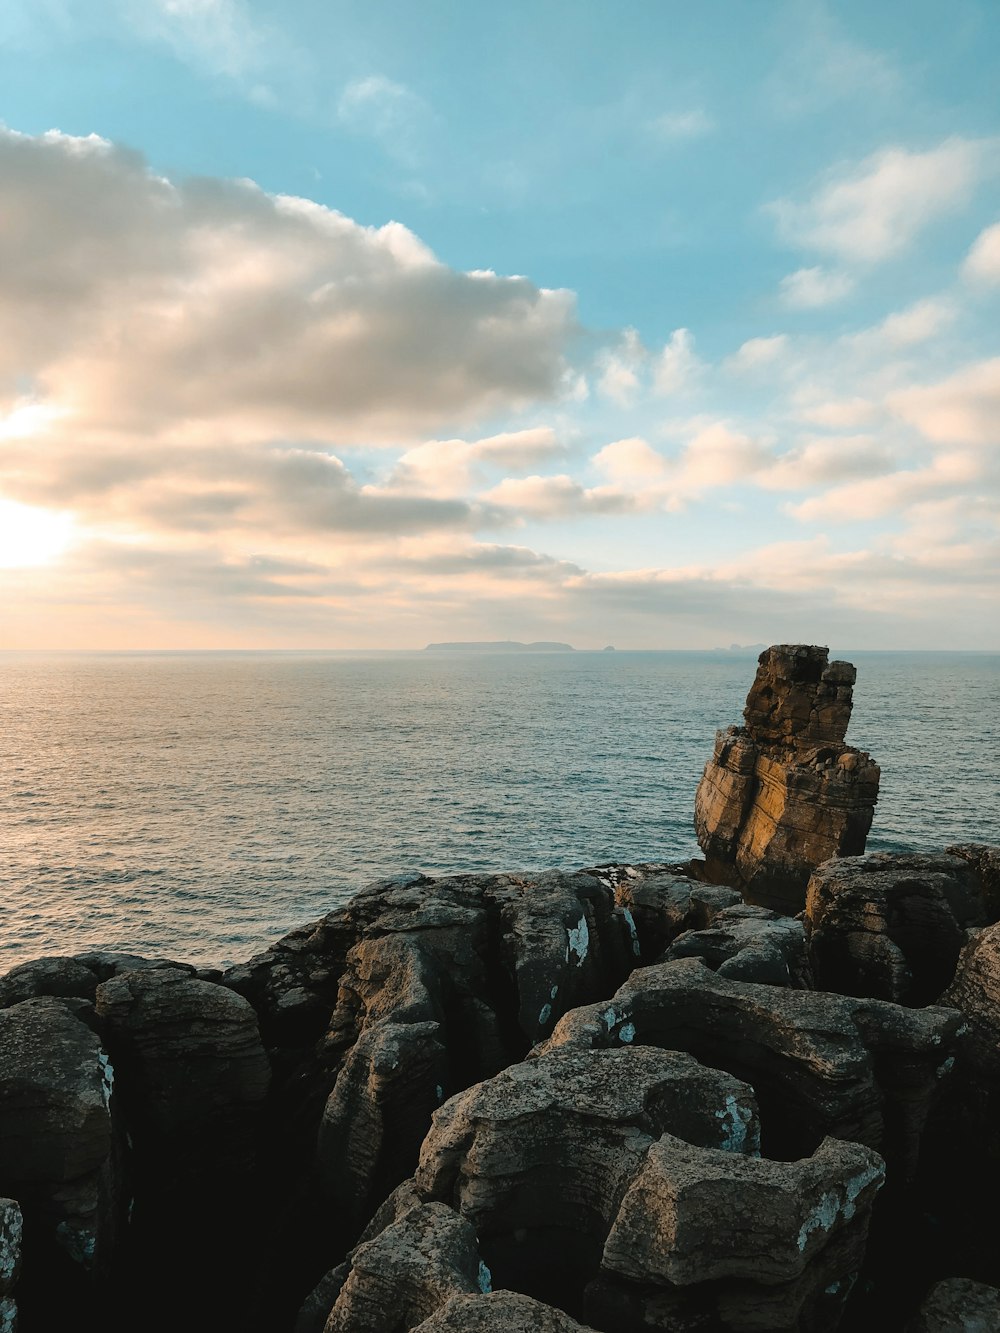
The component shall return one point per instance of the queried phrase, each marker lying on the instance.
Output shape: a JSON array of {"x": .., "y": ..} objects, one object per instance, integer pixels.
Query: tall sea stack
[{"x": 784, "y": 792}]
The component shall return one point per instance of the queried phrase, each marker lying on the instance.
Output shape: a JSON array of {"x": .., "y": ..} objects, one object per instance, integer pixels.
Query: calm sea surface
[{"x": 198, "y": 806}]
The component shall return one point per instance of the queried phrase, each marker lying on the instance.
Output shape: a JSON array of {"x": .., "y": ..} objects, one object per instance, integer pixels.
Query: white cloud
[
  {"x": 211, "y": 308},
  {"x": 818, "y": 462},
  {"x": 982, "y": 264},
  {"x": 387, "y": 111},
  {"x": 876, "y": 209},
  {"x": 756, "y": 352},
  {"x": 678, "y": 125},
  {"x": 677, "y": 367},
  {"x": 217, "y": 35},
  {"x": 964, "y": 408},
  {"x": 451, "y": 467},
  {"x": 621, "y": 368},
  {"x": 810, "y": 288}
]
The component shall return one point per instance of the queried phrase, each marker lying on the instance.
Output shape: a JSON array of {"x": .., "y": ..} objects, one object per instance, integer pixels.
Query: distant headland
[{"x": 500, "y": 646}]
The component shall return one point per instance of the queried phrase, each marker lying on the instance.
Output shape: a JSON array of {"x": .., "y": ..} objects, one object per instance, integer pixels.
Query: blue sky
[{"x": 656, "y": 324}]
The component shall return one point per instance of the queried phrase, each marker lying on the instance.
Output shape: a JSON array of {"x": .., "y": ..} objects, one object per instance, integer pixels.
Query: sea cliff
[{"x": 756, "y": 1091}]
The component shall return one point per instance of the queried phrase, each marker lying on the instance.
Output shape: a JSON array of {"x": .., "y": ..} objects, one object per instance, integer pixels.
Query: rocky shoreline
[{"x": 757, "y": 1092}]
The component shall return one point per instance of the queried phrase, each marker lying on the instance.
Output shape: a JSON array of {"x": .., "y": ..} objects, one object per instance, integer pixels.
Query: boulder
[
  {"x": 499, "y": 1312},
  {"x": 402, "y": 1276},
  {"x": 47, "y": 976},
  {"x": 784, "y": 793},
  {"x": 892, "y": 926},
  {"x": 58, "y": 1149},
  {"x": 819, "y": 1064},
  {"x": 748, "y": 944},
  {"x": 539, "y": 1157},
  {"x": 665, "y": 904},
  {"x": 958, "y": 1305}
]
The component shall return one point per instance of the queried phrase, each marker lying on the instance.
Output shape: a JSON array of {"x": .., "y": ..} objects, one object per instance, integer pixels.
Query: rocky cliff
[
  {"x": 784, "y": 792},
  {"x": 619, "y": 1100}
]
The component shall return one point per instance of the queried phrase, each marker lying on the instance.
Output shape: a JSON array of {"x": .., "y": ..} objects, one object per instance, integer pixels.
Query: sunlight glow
[{"x": 31, "y": 536}]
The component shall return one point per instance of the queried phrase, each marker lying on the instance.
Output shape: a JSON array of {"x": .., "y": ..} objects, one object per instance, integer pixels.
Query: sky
[{"x": 367, "y": 323}]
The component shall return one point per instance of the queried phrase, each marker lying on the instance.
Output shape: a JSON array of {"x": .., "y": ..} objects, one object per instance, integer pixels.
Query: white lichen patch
[
  {"x": 944, "y": 1069},
  {"x": 739, "y": 1133},
  {"x": 554, "y": 992},
  {"x": 8, "y": 1315},
  {"x": 439, "y": 1092},
  {"x": 633, "y": 933},
  {"x": 107, "y": 1077},
  {"x": 485, "y": 1278},
  {"x": 832, "y": 1207},
  {"x": 544, "y": 1014},
  {"x": 578, "y": 940},
  {"x": 626, "y": 1033}
]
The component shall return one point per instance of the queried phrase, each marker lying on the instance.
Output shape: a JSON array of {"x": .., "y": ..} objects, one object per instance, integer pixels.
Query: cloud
[
  {"x": 387, "y": 111},
  {"x": 874, "y": 210},
  {"x": 215, "y": 35},
  {"x": 819, "y": 462},
  {"x": 451, "y": 467},
  {"x": 555, "y": 497},
  {"x": 810, "y": 288},
  {"x": 964, "y": 408},
  {"x": 982, "y": 264},
  {"x": 677, "y": 367},
  {"x": 756, "y": 352},
  {"x": 152, "y": 306},
  {"x": 621, "y": 368},
  {"x": 679, "y": 125}
]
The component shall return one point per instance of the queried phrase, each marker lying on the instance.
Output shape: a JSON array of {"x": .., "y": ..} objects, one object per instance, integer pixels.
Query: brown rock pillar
[{"x": 784, "y": 792}]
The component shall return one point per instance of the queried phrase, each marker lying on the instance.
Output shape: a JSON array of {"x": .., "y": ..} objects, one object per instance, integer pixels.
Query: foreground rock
[
  {"x": 891, "y": 926},
  {"x": 958, "y": 1306},
  {"x": 784, "y": 792},
  {"x": 819, "y": 1064}
]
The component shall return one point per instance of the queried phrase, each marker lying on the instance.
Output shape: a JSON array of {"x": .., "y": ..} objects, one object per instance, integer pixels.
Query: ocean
[{"x": 197, "y": 806}]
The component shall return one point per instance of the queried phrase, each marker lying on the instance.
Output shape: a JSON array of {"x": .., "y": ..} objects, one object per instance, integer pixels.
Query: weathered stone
[
  {"x": 748, "y": 944},
  {"x": 696, "y": 1215},
  {"x": 784, "y": 793},
  {"x": 975, "y": 990},
  {"x": 190, "y": 1056},
  {"x": 499, "y": 1312},
  {"x": 377, "y": 1115},
  {"x": 985, "y": 860},
  {"x": 958, "y": 1305},
  {"x": 663, "y": 906},
  {"x": 56, "y": 1141},
  {"x": 539, "y": 1157},
  {"x": 891, "y": 926},
  {"x": 47, "y": 976},
  {"x": 820, "y": 1064},
  {"x": 407, "y": 1272},
  {"x": 11, "y": 1230}
]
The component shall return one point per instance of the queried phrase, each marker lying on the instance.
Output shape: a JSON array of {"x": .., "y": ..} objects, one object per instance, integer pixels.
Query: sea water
[{"x": 197, "y": 806}]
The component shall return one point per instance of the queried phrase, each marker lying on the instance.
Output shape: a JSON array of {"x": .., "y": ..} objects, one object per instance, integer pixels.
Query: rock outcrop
[
  {"x": 784, "y": 792},
  {"x": 819, "y": 1064},
  {"x": 958, "y": 1305},
  {"x": 11, "y": 1230},
  {"x": 892, "y": 926}
]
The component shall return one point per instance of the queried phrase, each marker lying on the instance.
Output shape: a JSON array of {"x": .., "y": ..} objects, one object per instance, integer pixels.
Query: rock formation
[
  {"x": 958, "y": 1306},
  {"x": 625, "y": 1098},
  {"x": 892, "y": 926},
  {"x": 784, "y": 792}
]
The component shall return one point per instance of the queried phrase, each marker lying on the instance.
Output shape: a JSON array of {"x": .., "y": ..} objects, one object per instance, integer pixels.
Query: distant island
[{"x": 500, "y": 646}]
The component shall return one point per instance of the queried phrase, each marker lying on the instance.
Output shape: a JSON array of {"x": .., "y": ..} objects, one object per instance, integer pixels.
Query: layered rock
[
  {"x": 819, "y": 1064},
  {"x": 748, "y": 944},
  {"x": 499, "y": 1312},
  {"x": 958, "y": 1305},
  {"x": 892, "y": 926},
  {"x": 784, "y": 792}
]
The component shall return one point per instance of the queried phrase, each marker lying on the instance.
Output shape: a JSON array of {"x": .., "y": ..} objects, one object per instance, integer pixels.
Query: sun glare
[{"x": 31, "y": 536}]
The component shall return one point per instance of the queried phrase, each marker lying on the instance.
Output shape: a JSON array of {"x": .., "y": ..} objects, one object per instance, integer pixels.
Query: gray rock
[
  {"x": 499, "y": 1312},
  {"x": 404, "y": 1275},
  {"x": 958, "y": 1305},
  {"x": 47, "y": 976},
  {"x": 11, "y": 1230},
  {"x": 748, "y": 944},
  {"x": 891, "y": 926},
  {"x": 819, "y": 1064}
]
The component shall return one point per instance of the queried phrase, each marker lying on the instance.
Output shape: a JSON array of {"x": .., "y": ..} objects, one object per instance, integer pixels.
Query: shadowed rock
[
  {"x": 56, "y": 1140},
  {"x": 539, "y": 1157},
  {"x": 406, "y": 1273},
  {"x": 958, "y": 1305},
  {"x": 748, "y": 944},
  {"x": 892, "y": 926},
  {"x": 499, "y": 1312},
  {"x": 820, "y": 1064},
  {"x": 11, "y": 1229},
  {"x": 784, "y": 792},
  {"x": 666, "y": 904}
]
